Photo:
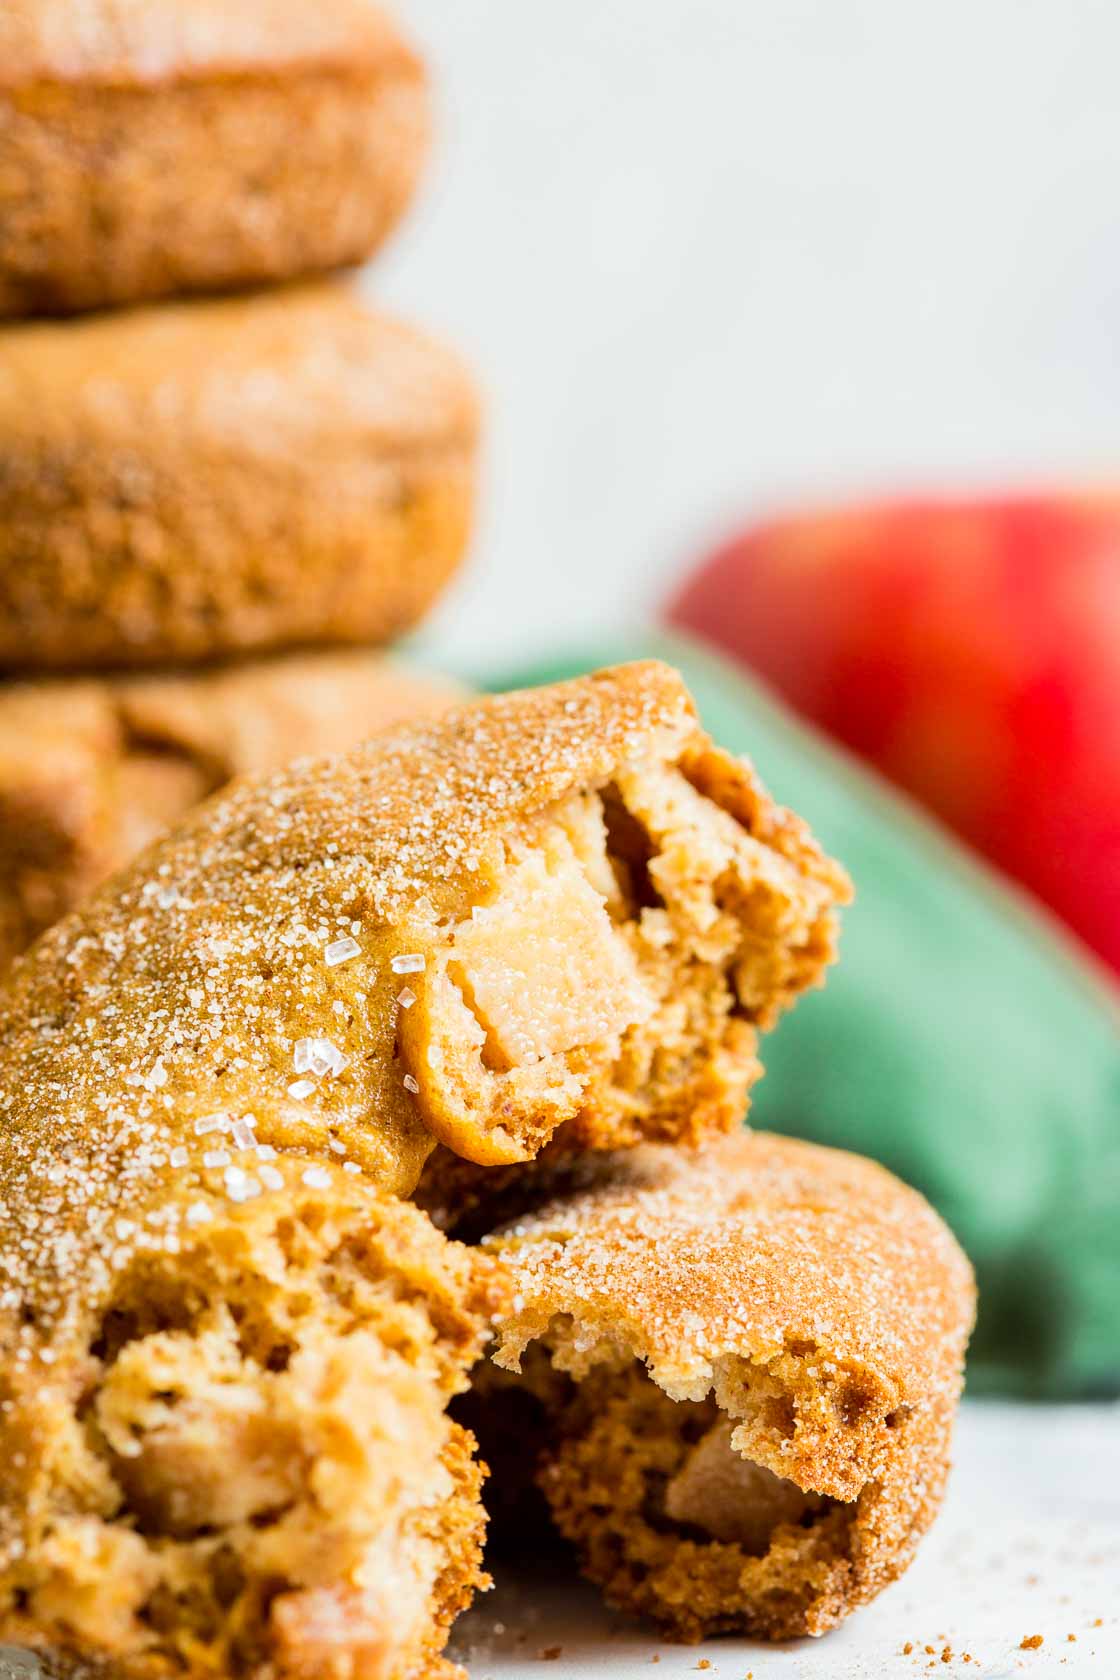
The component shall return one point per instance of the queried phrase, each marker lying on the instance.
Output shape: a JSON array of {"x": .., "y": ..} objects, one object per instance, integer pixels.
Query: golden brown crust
[
  {"x": 802, "y": 1294},
  {"x": 190, "y": 480},
  {"x": 93, "y": 769},
  {"x": 157, "y": 149}
]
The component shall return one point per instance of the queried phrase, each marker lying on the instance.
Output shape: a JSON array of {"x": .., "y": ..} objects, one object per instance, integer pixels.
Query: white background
[
  {"x": 713, "y": 256},
  {"x": 709, "y": 256}
]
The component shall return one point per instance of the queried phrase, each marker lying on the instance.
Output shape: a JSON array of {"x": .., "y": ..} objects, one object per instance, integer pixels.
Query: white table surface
[{"x": 1028, "y": 1542}]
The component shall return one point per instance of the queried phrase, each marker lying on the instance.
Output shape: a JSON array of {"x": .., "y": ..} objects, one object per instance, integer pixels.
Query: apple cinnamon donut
[
  {"x": 93, "y": 769},
  {"x": 225, "y": 1350},
  {"x": 745, "y": 1362},
  {"x": 152, "y": 148},
  {"x": 194, "y": 480},
  {"x": 558, "y": 907}
]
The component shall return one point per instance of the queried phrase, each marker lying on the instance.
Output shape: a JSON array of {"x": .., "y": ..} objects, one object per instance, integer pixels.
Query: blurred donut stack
[{"x": 225, "y": 481}]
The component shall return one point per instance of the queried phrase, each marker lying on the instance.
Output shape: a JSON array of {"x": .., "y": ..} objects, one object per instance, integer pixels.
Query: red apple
[{"x": 968, "y": 649}]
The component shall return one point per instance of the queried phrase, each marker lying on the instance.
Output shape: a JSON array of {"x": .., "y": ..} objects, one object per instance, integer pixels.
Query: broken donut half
[
  {"x": 745, "y": 1366},
  {"x": 622, "y": 943}
]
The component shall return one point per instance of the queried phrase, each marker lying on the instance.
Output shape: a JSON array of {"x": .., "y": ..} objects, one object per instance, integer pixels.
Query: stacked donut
[
  {"x": 220, "y": 474},
  {"x": 438, "y": 1046}
]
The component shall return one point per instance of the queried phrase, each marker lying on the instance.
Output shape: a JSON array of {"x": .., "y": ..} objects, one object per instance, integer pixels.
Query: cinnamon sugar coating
[
  {"x": 749, "y": 1359},
  {"x": 153, "y": 149},
  {"x": 309, "y": 948},
  {"x": 93, "y": 769},
  {"x": 231, "y": 475}
]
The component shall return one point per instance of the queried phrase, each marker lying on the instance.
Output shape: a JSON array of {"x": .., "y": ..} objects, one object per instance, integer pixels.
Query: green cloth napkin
[{"x": 962, "y": 1041}]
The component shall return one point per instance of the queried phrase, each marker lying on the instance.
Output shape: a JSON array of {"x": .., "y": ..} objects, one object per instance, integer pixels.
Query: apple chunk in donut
[
  {"x": 514, "y": 995},
  {"x": 622, "y": 942},
  {"x": 744, "y": 1364}
]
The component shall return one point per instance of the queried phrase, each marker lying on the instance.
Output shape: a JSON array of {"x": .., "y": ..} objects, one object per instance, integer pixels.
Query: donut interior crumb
[
  {"x": 259, "y": 1475},
  {"x": 666, "y": 1516},
  {"x": 615, "y": 976}
]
